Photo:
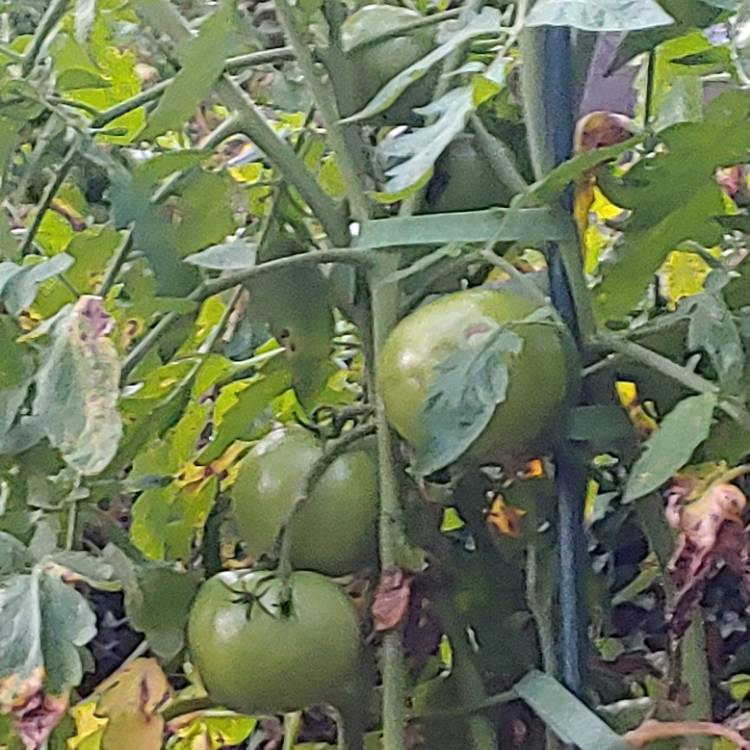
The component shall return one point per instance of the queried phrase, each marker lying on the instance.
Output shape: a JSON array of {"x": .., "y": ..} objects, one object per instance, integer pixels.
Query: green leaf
[
  {"x": 43, "y": 623},
  {"x": 202, "y": 62},
  {"x": 418, "y": 150},
  {"x": 479, "y": 24},
  {"x": 534, "y": 226},
  {"x": 468, "y": 387},
  {"x": 19, "y": 284},
  {"x": 157, "y": 600},
  {"x": 599, "y": 15},
  {"x": 671, "y": 446},
  {"x": 85, "y": 12},
  {"x": 231, "y": 256},
  {"x": 77, "y": 387},
  {"x": 674, "y": 198},
  {"x": 714, "y": 331},
  {"x": 570, "y": 719},
  {"x": 241, "y": 411}
]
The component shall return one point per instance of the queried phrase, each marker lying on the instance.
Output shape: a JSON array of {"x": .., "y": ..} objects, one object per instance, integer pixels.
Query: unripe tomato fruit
[
  {"x": 464, "y": 180},
  {"x": 374, "y": 65},
  {"x": 542, "y": 377},
  {"x": 334, "y": 532},
  {"x": 255, "y": 661}
]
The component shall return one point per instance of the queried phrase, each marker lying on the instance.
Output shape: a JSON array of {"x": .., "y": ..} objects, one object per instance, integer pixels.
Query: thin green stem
[
  {"x": 328, "y": 109},
  {"x": 292, "y": 726},
  {"x": 500, "y": 157},
  {"x": 362, "y": 258},
  {"x": 49, "y": 195},
  {"x": 52, "y": 15},
  {"x": 118, "y": 259},
  {"x": 407, "y": 28},
  {"x": 384, "y": 306},
  {"x": 697, "y": 676}
]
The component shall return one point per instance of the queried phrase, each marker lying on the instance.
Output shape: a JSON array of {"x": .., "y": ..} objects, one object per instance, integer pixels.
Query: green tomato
[
  {"x": 334, "y": 532},
  {"x": 542, "y": 377},
  {"x": 256, "y": 661},
  {"x": 371, "y": 66},
  {"x": 464, "y": 181}
]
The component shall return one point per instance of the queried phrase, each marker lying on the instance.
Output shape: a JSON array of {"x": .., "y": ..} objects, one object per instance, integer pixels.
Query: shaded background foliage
[{"x": 155, "y": 155}]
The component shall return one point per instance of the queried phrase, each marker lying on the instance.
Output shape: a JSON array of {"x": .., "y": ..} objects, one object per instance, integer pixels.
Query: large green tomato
[
  {"x": 255, "y": 660},
  {"x": 373, "y": 65},
  {"x": 334, "y": 532},
  {"x": 542, "y": 377}
]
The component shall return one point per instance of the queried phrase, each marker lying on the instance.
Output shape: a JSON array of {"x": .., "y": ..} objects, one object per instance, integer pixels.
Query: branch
[
  {"x": 49, "y": 195},
  {"x": 328, "y": 109},
  {"x": 650, "y": 731},
  {"x": 167, "y": 20},
  {"x": 52, "y": 15},
  {"x": 499, "y": 156}
]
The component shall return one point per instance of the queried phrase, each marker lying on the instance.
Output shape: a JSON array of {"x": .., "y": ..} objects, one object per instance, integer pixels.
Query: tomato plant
[{"x": 374, "y": 375}]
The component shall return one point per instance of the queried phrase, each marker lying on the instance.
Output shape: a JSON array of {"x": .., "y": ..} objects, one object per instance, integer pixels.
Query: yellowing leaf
[
  {"x": 130, "y": 699},
  {"x": 683, "y": 275},
  {"x": 505, "y": 518},
  {"x": 89, "y": 727}
]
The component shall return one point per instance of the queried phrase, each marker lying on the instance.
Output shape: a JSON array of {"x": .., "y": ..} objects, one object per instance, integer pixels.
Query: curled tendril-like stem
[{"x": 650, "y": 731}]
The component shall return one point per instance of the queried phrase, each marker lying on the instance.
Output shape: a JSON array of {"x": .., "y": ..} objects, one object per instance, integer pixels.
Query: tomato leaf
[
  {"x": 78, "y": 388},
  {"x": 202, "y": 60},
  {"x": 43, "y": 623},
  {"x": 672, "y": 445},
  {"x": 599, "y": 15},
  {"x": 19, "y": 284},
  {"x": 570, "y": 719},
  {"x": 230, "y": 256},
  {"x": 674, "y": 198},
  {"x": 484, "y": 23},
  {"x": 468, "y": 387},
  {"x": 535, "y": 226},
  {"x": 416, "y": 152},
  {"x": 714, "y": 331}
]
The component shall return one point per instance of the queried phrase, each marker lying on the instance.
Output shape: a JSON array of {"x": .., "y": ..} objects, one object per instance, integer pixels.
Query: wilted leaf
[
  {"x": 478, "y": 24},
  {"x": 77, "y": 388},
  {"x": 599, "y": 15},
  {"x": 202, "y": 61},
  {"x": 43, "y": 623},
  {"x": 392, "y": 597},
  {"x": 232, "y": 256},
  {"x": 671, "y": 446},
  {"x": 468, "y": 387},
  {"x": 35, "y": 720},
  {"x": 130, "y": 700}
]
